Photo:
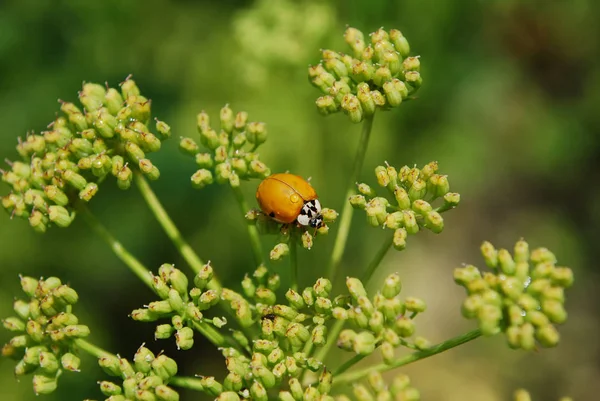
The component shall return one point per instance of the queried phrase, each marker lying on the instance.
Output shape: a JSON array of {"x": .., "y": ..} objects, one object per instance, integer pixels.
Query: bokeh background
[{"x": 510, "y": 107}]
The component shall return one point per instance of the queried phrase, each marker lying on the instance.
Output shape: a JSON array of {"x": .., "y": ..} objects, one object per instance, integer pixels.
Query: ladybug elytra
[{"x": 287, "y": 198}]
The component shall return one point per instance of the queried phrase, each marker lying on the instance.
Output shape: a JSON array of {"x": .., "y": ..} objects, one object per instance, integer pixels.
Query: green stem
[
  {"x": 331, "y": 338},
  {"x": 415, "y": 356},
  {"x": 252, "y": 230},
  {"x": 294, "y": 259},
  {"x": 191, "y": 383},
  {"x": 167, "y": 224},
  {"x": 385, "y": 247},
  {"x": 130, "y": 261},
  {"x": 211, "y": 334},
  {"x": 90, "y": 348},
  {"x": 348, "y": 364},
  {"x": 346, "y": 216}
]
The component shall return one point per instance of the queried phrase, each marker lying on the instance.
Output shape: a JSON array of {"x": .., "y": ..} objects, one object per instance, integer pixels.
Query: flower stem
[
  {"x": 331, "y": 338},
  {"x": 339, "y": 325},
  {"x": 211, "y": 334},
  {"x": 348, "y": 364},
  {"x": 167, "y": 224},
  {"x": 385, "y": 247},
  {"x": 130, "y": 261},
  {"x": 191, "y": 383},
  {"x": 346, "y": 216},
  {"x": 415, "y": 356},
  {"x": 90, "y": 348},
  {"x": 252, "y": 230},
  {"x": 293, "y": 259}
]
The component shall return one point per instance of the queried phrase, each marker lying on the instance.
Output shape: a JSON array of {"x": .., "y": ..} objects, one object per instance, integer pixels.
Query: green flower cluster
[
  {"x": 413, "y": 190},
  {"x": 377, "y": 75},
  {"x": 231, "y": 154},
  {"x": 145, "y": 379},
  {"x": 45, "y": 330},
  {"x": 65, "y": 164},
  {"x": 523, "y": 395},
  {"x": 184, "y": 309},
  {"x": 252, "y": 378},
  {"x": 282, "y": 248},
  {"x": 378, "y": 389},
  {"x": 523, "y": 296},
  {"x": 385, "y": 321}
]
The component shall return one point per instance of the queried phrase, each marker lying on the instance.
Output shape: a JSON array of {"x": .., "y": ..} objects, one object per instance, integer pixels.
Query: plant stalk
[
  {"x": 415, "y": 356},
  {"x": 252, "y": 230},
  {"x": 346, "y": 215},
  {"x": 130, "y": 261}
]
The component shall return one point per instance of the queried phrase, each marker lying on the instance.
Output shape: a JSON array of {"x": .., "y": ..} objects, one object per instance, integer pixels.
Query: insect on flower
[{"x": 288, "y": 198}]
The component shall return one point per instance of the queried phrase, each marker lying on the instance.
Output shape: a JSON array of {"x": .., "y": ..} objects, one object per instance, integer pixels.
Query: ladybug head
[{"x": 310, "y": 215}]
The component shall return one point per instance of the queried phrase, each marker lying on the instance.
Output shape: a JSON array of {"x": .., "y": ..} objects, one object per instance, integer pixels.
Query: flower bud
[
  {"x": 361, "y": 393},
  {"x": 280, "y": 250},
  {"x": 355, "y": 40},
  {"x": 109, "y": 389},
  {"x": 363, "y": 343},
  {"x": 44, "y": 384},
  {"x": 164, "y": 367},
  {"x": 355, "y": 287},
  {"x": 395, "y": 90},
  {"x": 87, "y": 193},
  {"x": 166, "y": 393},
  {"x": 562, "y": 276},
  {"x": 404, "y": 326},
  {"x": 392, "y": 286},
  {"x": 266, "y": 296},
  {"x": 413, "y": 78},
  {"x": 202, "y": 178},
  {"x": 48, "y": 363},
  {"x": 415, "y": 305},
  {"x": 258, "y": 392},
  {"x": 149, "y": 169},
  {"x": 326, "y": 105},
  {"x": 352, "y": 107},
  {"x": 184, "y": 338},
  {"x": 256, "y": 133}
]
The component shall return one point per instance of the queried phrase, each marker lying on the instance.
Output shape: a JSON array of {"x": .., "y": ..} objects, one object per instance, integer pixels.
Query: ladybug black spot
[{"x": 272, "y": 214}]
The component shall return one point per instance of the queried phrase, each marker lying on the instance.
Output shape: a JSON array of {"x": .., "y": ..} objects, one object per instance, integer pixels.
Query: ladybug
[{"x": 287, "y": 198}]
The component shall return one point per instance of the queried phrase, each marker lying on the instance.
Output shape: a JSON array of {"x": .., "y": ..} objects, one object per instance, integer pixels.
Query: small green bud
[
  {"x": 280, "y": 250},
  {"x": 490, "y": 254},
  {"x": 361, "y": 393},
  {"x": 143, "y": 360},
  {"x": 87, "y": 193},
  {"x": 352, "y": 107},
  {"x": 363, "y": 91},
  {"x": 207, "y": 299},
  {"x": 233, "y": 381},
  {"x": 166, "y": 393},
  {"x": 161, "y": 307},
  {"x": 13, "y": 324},
  {"x": 204, "y": 276},
  {"x": 404, "y": 326},
  {"x": 175, "y": 300},
  {"x": 410, "y": 222},
  {"x": 548, "y": 336},
  {"x": 562, "y": 276},
  {"x": 434, "y": 221},
  {"x": 528, "y": 303},
  {"x": 35, "y": 331},
  {"x": 364, "y": 343},
  {"x": 256, "y": 133},
  {"x": 322, "y": 287},
  {"x": 387, "y": 352},
  {"x": 149, "y": 169},
  {"x": 110, "y": 364},
  {"x": 258, "y": 392},
  {"x": 399, "y": 239},
  {"x": 467, "y": 274},
  {"x": 184, "y": 338},
  {"x": 399, "y": 383},
  {"x": 44, "y": 384},
  {"x": 202, "y": 178},
  {"x": 163, "y": 129},
  {"x": 392, "y": 286},
  {"x": 395, "y": 91},
  {"x": 413, "y": 78},
  {"x": 451, "y": 200},
  {"x": 415, "y": 305},
  {"x": 506, "y": 262},
  {"x": 355, "y": 287},
  {"x": 109, "y": 389},
  {"x": 164, "y": 367},
  {"x": 48, "y": 363}
]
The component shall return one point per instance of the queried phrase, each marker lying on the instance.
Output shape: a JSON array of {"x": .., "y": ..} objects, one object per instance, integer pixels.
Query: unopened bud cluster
[
  {"x": 182, "y": 307},
  {"x": 268, "y": 368},
  {"x": 379, "y": 389},
  {"x": 44, "y": 329},
  {"x": 523, "y": 395},
  {"x": 66, "y": 164},
  {"x": 383, "y": 321},
  {"x": 523, "y": 296},
  {"x": 414, "y": 192},
  {"x": 306, "y": 235},
  {"x": 229, "y": 151},
  {"x": 144, "y": 379},
  {"x": 377, "y": 75}
]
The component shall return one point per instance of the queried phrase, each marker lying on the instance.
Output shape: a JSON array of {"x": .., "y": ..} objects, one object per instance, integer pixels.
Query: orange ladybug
[{"x": 287, "y": 198}]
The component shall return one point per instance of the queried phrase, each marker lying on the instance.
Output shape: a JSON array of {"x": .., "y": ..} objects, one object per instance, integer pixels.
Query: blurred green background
[{"x": 510, "y": 107}]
